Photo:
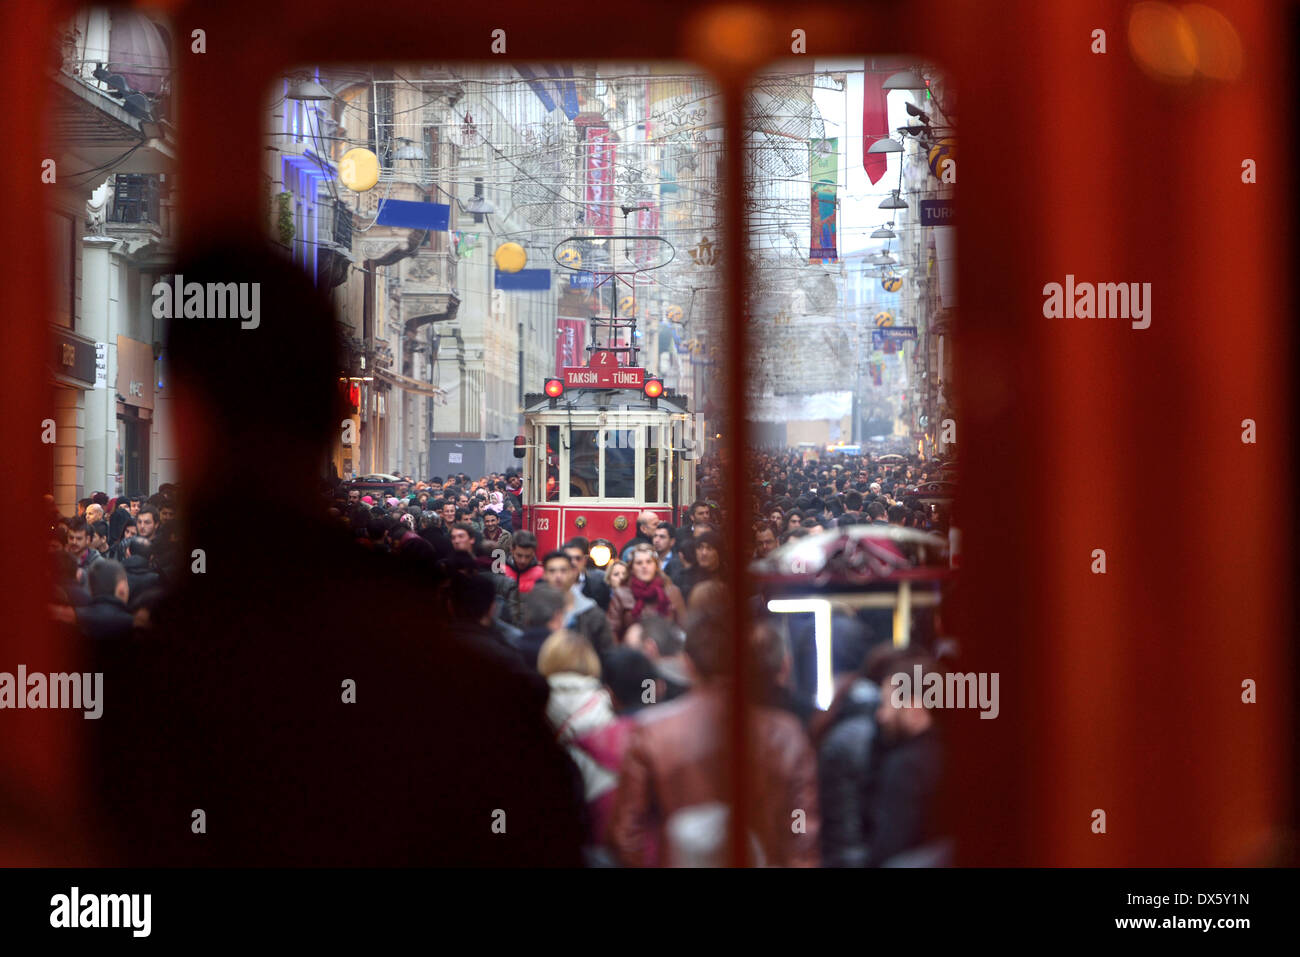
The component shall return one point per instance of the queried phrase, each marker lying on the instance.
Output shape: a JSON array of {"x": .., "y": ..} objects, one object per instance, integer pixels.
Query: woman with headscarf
[
  {"x": 647, "y": 592},
  {"x": 117, "y": 522}
]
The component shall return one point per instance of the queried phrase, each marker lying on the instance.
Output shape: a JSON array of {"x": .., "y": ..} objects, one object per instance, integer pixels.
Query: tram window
[
  {"x": 652, "y": 464},
  {"x": 584, "y": 463},
  {"x": 620, "y": 463},
  {"x": 551, "y": 479}
]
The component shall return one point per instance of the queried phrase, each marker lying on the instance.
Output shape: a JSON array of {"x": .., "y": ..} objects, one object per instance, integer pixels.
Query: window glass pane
[
  {"x": 552, "y": 460},
  {"x": 652, "y": 463},
  {"x": 62, "y": 231},
  {"x": 584, "y": 464},
  {"x": 620, "y": 463}
]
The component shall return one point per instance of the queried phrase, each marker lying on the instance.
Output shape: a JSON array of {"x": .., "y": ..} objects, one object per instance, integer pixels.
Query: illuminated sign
[{"x": 603, "y": 372}]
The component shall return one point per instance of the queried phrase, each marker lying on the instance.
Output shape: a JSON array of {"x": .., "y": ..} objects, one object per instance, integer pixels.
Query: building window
[{"x": 135, "y": 198}]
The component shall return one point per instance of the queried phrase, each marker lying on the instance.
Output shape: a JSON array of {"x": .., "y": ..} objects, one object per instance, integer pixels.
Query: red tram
[
  {"x": 604, "y": 441},
  {"x": 601, "y": 445}
]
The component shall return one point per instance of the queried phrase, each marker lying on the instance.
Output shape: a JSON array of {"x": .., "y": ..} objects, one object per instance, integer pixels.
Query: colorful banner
[
  {"x": 600, "y": 180},
  {"x": 568, "y": 343},
  {"x": 823, "y": 175},
  {"x": 824, "y": 162},
  {"x": 464, "y": 243}
]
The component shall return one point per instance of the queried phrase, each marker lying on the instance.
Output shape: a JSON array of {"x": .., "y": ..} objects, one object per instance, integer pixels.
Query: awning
[{"x": 406, "y": 383}]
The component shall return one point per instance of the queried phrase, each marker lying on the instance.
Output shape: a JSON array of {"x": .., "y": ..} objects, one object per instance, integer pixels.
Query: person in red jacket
[{"x": 523, "y": 568}]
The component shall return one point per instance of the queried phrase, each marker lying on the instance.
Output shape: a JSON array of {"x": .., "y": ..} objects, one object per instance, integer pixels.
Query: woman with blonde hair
[
  {"x": 648, "y": 592},
  {"x": 582, "y": 714},
  {"x": 616, "y": 574}
]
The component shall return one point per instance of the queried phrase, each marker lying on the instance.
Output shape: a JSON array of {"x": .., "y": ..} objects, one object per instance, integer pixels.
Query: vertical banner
[
  {"x": 568, "y": 343},
  {"x": 823, "y": 175},
  {"x": 647, "y": 224},
  {"x": 600, "y": 180},
  {"x": 875, "y": 122}
]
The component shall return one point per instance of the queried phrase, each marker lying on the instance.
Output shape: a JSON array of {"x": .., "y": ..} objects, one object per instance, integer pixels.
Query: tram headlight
[
  {"x": 601, "y": 552},
  {"x": 554, "y": 388}
]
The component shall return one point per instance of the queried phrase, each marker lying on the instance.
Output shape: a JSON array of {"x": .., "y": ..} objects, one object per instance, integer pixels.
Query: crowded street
[{"x": 533, "y": 384}]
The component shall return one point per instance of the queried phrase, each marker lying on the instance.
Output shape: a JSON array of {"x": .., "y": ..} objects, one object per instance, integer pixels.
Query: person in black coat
[
  {"x": 843, "y": 769},
  {"x": 542, "y": 613},
  {"x": 905, "y": 767},
  {"x": 140, "y": 576},
  {"x": 67, "y": 589},
  {"x": 106, "y": 617},
  {"x": 326, "y": 712},
  {"x": 117, "y": 523}
]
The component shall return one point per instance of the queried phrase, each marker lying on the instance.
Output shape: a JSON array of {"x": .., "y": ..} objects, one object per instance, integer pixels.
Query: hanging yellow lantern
[
  {"x": 941, "y": 154},
  {"x": 510, "y": 257},
  {"x": 884, "y": 318},
  {"x": 570, "y": 257},
  {"x": 359, "y": 169},
  {"x": 627, "y": 307},
  {"x": 891, "y": 283},
  {"x": 673, "y": 314}
]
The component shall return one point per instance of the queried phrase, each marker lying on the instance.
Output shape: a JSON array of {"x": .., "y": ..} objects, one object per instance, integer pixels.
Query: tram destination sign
[{"x": 603, "y": 372}]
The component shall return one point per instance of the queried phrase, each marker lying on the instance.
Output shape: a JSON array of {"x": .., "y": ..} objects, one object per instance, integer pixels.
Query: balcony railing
[{"x": 334, "y": 223}]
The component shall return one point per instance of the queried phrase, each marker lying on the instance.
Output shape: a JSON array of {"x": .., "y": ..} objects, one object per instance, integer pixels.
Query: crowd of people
[
  {"x": 631, "y": 660},
  {"x": 113, "y": 560}
]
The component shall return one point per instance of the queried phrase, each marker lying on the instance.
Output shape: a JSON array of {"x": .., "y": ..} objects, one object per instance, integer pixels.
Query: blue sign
[
  {"x": 892, "y": 334},
  {"x": 582, "y": 280},
  {"x": 524, "y": 280},
  {"x": 406, "y": 214},
  {"x": 938, "y": 212}
]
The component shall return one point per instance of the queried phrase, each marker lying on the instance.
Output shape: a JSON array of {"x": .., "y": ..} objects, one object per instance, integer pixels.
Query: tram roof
[{"x": 596, "y": 400}]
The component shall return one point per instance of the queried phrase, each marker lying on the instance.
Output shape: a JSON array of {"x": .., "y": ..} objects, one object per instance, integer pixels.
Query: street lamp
[
  {"x": 305, "y": 88},
  {"x": 893, "y": 201},
  {"x": 906, "y": 80},
  {"x": 885, "y": 145}
]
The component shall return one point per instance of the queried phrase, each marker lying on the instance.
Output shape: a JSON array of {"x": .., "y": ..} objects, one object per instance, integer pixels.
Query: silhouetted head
[{"x": 257, "y": 396}]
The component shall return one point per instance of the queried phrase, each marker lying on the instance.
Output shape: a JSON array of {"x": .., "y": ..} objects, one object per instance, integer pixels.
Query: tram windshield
[{"x": 632, "y": 462}]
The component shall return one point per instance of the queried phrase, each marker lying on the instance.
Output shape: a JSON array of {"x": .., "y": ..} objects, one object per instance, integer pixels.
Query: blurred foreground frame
[{"x": 1123, "y": 690}]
